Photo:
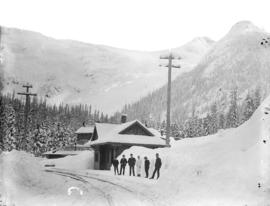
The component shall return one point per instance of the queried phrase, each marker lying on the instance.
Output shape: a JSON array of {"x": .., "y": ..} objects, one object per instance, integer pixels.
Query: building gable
[{"x": 136, "y": 129}]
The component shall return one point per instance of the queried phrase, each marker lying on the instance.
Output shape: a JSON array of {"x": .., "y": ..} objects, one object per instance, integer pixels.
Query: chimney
[
  {"x": 123, "y": 118},
  {"x": 145, "y": 124},
  {"x": 162, "y": 132}
]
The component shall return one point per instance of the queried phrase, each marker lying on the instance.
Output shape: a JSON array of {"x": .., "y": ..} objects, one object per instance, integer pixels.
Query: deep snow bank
[
  {"x": 231, "y": 167},
  {"x": 22, "y": 169},
  {"x": 84, "y": 160},
  {"x": 23, "y": 179}
]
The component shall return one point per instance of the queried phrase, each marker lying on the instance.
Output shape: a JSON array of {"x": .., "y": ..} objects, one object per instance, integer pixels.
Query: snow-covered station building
[{"x": 110, "y": 140}]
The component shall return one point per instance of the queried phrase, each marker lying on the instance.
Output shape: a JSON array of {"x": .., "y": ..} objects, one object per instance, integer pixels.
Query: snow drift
[
  {"x": 20, "y": 168},
  {"x": 23, "y": 179},
  {"x": 231, "y": 167},
  {"x": 82, "y": 161}
]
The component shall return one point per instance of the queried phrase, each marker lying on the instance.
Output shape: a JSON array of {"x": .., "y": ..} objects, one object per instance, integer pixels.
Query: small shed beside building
[{"x": 84, "y": 134}]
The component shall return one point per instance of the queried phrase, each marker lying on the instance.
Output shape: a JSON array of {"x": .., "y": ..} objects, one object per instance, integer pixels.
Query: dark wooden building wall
[
  {"x": 104, "y": 154},
  {"x": 83, "y": 138}
]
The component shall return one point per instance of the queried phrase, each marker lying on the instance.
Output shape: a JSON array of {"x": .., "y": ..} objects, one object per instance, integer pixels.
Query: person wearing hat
[
  {"x": 158, "y": 164},
  {"x": 123, "y": 163},
  {"x": 146, "y": 166},
  {"x": 131, "y": 163}
]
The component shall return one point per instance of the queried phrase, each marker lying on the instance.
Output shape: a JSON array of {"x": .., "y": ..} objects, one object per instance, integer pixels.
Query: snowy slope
[
  {"x": 75, "y": 72},
  {"x": 238, "y": 60},
  {"x": 222, "y": 169},
  {"x": 22, "y": 181}
]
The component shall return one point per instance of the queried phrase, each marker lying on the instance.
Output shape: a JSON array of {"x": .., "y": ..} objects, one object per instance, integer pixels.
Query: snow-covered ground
[
  {"x": 229, "y": 168},
  {"x": 84, "y": 160}
]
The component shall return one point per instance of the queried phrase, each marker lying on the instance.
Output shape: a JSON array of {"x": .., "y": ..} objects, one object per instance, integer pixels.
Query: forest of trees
[
  {"x": 49, "y": 127},
  {"x": 52, "y": 127},
  {"x": 236, "y": 113}
]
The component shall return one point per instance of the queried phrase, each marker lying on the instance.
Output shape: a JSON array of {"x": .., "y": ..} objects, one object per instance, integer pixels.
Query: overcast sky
[{"x": 133, "y": 24}]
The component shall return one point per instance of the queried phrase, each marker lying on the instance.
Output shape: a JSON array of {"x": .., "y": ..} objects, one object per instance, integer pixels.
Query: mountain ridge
[
  {"x": 236, "y": 61},
  {"x": 76, "y": 72}
]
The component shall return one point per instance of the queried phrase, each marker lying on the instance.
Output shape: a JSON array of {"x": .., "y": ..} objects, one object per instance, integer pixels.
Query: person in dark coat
[
  {"x": 131, "y": 163},
  {"x": 146, "y": 166},
  {"x": 123, "y": 163},
  {"x": 158, "y": 164},
  {"x": 115, "y": 163}
]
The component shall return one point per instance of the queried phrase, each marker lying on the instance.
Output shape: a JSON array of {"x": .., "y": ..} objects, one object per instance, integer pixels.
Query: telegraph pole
[
  {"x": 27, "y": 95},
  {"x": 170, "y": 57}
]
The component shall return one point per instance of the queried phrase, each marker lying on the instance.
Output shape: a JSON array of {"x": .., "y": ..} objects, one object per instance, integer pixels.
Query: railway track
[
  {"x": 91, "y": 178},
  {"x": 76, "y": 177}
]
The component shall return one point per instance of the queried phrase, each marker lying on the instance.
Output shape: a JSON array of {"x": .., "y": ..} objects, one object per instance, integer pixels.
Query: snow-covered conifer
[
  {"x": 232, "y": 115},
  {"x": 9, "y": 130},
  {"x": 213, "y": 119},
  {"x": 249, "y": 107},
  {"x": 257, "y": 97}
]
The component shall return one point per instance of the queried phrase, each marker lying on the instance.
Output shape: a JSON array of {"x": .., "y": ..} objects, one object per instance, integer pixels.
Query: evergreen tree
[
  {"x": 257, "y": 98},
  {"x": 221, "y": 121},
  {"x": 249, "y": 108},
  {"x": 207, "y": 125},
  {"x": 174, "y": 130},
  {"x": 232, "y": 115},
  {"x": 9, "y": 130},
  {"x": 213, "y": 119},
  {"x": 39, "y": 140},
  {"x": 191, "y": 127}
]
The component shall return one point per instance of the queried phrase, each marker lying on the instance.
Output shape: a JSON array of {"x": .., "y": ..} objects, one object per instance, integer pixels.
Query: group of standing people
[{"x": 132, "y": 162}]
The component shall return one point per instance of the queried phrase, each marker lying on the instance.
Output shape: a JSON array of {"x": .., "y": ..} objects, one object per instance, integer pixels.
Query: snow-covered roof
[
  {"x": 85, "y": 130},
  {"x": 111, "y": 133},
  {"x": 154, "y": 132},
  {"x": 62, "y": 152}
]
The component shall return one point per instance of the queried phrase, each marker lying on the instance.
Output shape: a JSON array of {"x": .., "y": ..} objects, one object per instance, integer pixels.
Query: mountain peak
[{"x": 243, "y": 27}]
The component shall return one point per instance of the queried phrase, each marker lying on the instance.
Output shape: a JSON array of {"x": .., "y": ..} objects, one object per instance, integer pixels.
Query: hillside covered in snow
[
  {"x": 240, "y": 61},
  {"x": 75, "y": 72}
]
